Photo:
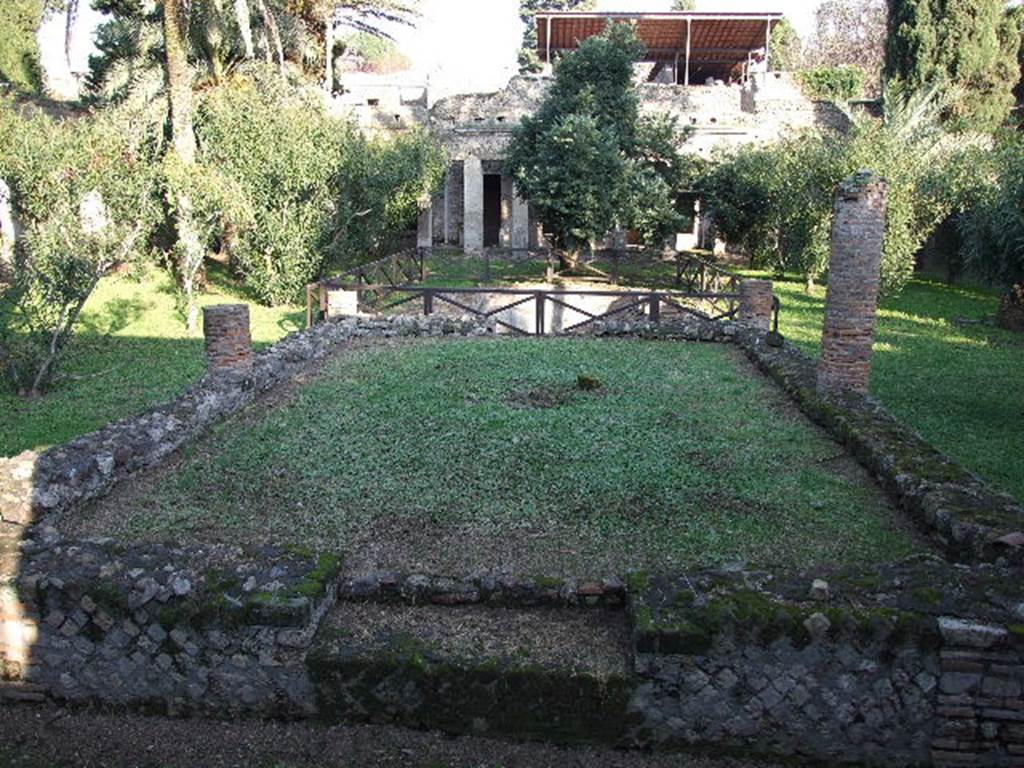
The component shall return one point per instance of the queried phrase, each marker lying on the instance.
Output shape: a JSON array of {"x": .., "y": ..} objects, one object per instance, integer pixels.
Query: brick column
[
  {"x": 228, "y": 343},
  {"x": 854, "y": 279},
  {"x": 756, "y": 303}
]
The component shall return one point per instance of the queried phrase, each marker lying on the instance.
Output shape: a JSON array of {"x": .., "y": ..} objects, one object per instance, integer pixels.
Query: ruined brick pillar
[
  {"x": 756, "y": 302},
  {"x": 854, "y": 279},
  {"x": 228, "y": 342}
]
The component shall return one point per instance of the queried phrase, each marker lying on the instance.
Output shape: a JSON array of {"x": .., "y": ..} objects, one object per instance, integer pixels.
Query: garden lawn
[
  {"x": 131, "y": 351},
  {"x": 457, "y": 457},
  {"x": 960, "y": 385}
]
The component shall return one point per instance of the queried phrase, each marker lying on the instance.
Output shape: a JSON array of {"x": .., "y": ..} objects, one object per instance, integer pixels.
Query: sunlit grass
[
  {"x": 958, "y": 384},
  {"x": 132, "y": 350}
]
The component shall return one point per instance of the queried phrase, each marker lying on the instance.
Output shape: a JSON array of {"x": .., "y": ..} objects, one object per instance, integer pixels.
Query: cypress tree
[{"x": 969, "y": 45}]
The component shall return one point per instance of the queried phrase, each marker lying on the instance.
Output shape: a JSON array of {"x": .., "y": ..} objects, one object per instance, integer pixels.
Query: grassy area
[
  {"x": 959, "y": 385},
  {"x": 461, "y": 456},
  {"x": 132, "y": 351}
]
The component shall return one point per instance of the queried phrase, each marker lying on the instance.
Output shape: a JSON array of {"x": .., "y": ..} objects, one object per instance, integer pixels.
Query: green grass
[
  {"x": 131, "y": 351},
  {"x": 682, "y": 457},
  {"x": 960, "y": 386}
]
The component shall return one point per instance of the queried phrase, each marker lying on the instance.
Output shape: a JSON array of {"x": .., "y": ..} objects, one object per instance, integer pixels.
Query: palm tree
[{"x": 190, "y": 252}]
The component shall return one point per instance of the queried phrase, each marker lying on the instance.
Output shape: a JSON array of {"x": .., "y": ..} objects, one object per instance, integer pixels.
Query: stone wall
[
  {"x": 215, "y": 630},
  {"x": 863, "y": 667},
  {"x": 918, "y": 662},
  {"x": 86, "y": 467}
]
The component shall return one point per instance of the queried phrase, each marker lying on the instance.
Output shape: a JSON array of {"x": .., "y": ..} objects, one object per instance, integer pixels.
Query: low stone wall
[
  {"x": 865, "y": 667},
  {"x": 969, "y": 520},
  {"x": 86, "y": 467},
  {"x": 917, "y": 663},
  {"x": 215, "y": 631}
]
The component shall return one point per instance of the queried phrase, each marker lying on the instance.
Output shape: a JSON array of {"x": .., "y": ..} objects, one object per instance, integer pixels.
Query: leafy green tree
[
  {"x": 293, "y": 191},
  {"x": 684, "y": 5},
  {"x": 786, "y": 49},
  {"x": 776, "y": 201},
  {"x": 529, "y": 61},
  {"x": 969, "y": 45},
  {"x": 992, "y": 226},
  {"x": 86, "y": 192},
  {"x": 19, "y": 53},
  {"x": 587, "y": 161}
]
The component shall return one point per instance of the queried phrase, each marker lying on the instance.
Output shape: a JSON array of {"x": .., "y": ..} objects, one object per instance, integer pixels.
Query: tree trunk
[
  {"x": 179, "y": 89},
  {"x": 245, "y": 26},
  {"x": 329, "y": 53},
  {"x": 1011, "y": 310},
  {"x": 273, "y": 33},
  {"x": 568, "y": 260},
  {"x": 179, "y": 79}
]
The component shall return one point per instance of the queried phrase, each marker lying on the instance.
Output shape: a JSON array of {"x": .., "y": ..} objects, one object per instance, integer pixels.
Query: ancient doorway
[{"x": 492, "y": 209}]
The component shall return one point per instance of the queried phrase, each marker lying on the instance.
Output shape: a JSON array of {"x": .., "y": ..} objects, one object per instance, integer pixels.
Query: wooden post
[
  {"x": 539, "y": 309},
  {"x": 428, "y": 302},
  {"x": 655, "y": 308}
]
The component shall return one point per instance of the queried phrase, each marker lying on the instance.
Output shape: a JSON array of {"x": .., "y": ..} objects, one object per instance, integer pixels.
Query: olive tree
[{"x": 588, "y": 162}]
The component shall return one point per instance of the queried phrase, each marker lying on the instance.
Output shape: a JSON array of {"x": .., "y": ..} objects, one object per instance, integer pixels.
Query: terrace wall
[{"x": 921, "y": 663}]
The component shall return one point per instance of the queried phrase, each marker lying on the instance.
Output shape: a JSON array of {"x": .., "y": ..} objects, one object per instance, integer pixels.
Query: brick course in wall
[{"x": 854, "y": 278}]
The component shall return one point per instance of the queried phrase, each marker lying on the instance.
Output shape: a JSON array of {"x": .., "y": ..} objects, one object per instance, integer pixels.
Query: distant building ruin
[{"x": 710, "y": 70}]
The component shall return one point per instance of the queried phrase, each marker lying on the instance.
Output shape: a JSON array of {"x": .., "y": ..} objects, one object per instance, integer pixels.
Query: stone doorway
[{"x": 492, "y": 209}]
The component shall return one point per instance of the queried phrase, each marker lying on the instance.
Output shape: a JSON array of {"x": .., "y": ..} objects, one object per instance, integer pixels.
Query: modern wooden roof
[{"x": 715, "y": 41}]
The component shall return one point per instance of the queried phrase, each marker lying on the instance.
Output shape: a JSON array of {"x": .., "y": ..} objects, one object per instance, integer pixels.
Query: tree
[
  {"x": 85, "y": 191},
  {"x": 776, "y": 201},
  {"x": 587, "y": 161},
  {"x": 970, "y": 45},
  {"x": 992, "y": 227},
  {"x": 529, "y": 61},
  {"x": 850, "y": 33},
  {"x": 188, "y": 250},
  {"x": 684, "y": 5},
  {"x": 19, "y": 52},
  {"x": 786, "y": 48}
]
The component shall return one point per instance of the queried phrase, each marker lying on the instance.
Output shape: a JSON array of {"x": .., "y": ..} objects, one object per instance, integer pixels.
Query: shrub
[
  {"x": 992, "y": 227},
  {"x": 19, "y": 52},
  {"x": 838, "y": 84},
  {"x": 776, "y": 201},
  {"x": 86, "y": 193},
  {"x": 298, "y": 189}
]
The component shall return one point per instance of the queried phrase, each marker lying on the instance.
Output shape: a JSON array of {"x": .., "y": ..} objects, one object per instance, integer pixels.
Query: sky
[{"x": 447, "y": 47}]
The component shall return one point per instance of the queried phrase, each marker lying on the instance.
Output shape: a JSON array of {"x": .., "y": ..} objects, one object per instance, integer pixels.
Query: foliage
[
  {"x": 130, "y": 352},
  {"x": 850, "y": 33},
  {"x": 786, "y": 50},
  {"x": 969, "y": 45},
  {"x": 299, "y": 188},
  {"x": 19, "y": 52},
  {"x": 587, "y": 161},
  {"x": 992, "y": 228},
  {"x": 377, "y": 54},
  {"x": 776, "y": 201},
  {"x": 529, "y": 61},
  {"x": 684, "y": 5},
  {"x": 839, "y": 84},
  {"x": 85, "y": 192},
  {"x": 130, "y": 44}
]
